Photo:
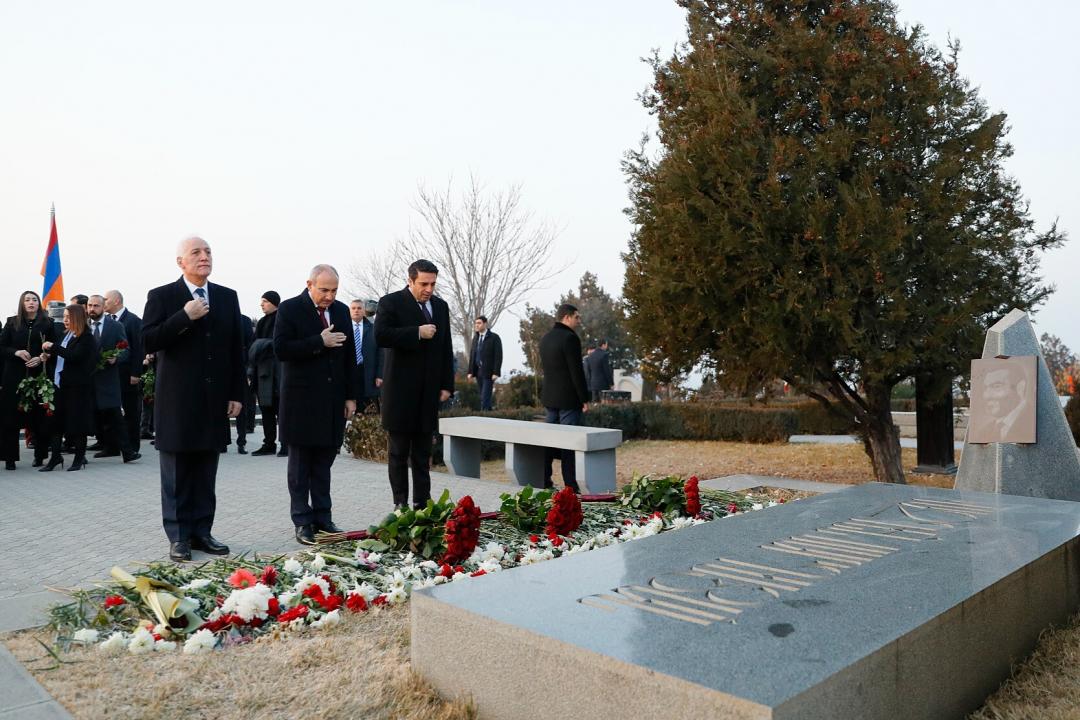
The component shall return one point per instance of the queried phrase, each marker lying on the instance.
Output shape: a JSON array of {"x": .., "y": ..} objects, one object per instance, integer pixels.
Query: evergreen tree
[{"x": 829, "y": 207}]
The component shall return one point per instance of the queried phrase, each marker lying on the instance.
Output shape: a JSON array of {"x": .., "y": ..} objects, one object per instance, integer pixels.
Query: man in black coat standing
[
  {"x": 317, "y": 395},
  {"x": 485, "y": 360},
  {"x": 367, "y": 369},
  {"x": 130, "y": 368},
  {"x": 418, "y": 374},
  {"x": 598, "y": 373},
  {"x": 267, "y": 372},
  {"x": 564, "y": 394},
  {"x": 192, "y": 326},
  {"x": 109, "y": 336}
]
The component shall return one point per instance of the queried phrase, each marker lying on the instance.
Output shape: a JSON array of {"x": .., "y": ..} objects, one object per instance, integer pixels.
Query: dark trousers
[
  {"x": 410, "y": 450},
  {"x": 269, "y": 421},
  {"x": 487, "y": 390},
  {"x": 39, "y": 427},
  {"x": 187, "y": 493},
  {"x": 595, "y": 395},
  {"x": 112, "y": 432},
  {"x": 131, "y": 399},
  {"x": 148, "y": 420},
  {"x": 309, "y": 484},
  {"x": 567, "y": 461}
]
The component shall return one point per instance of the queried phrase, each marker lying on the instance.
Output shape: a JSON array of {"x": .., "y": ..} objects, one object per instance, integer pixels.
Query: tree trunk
[{"x": 881, "y": 438}]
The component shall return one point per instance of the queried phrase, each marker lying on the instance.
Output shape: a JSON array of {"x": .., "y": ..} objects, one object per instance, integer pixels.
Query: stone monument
[{"x": 1050, "y": 467}]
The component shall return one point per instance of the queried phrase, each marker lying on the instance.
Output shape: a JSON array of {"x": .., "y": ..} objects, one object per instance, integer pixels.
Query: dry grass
[
  {"x": 846, "y": 464},
  {"x": 1046, "y": 686},
  {"x": 359, "y": 669}
]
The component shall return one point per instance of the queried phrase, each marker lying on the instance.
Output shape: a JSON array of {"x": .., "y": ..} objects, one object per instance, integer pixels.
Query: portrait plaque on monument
[
  {"x": 1003, "y": 400},
  {"x": 879, "y": 601}
]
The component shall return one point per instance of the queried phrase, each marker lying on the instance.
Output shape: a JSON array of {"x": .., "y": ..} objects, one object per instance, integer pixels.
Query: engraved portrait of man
[{"x": 1003, "y": 400}]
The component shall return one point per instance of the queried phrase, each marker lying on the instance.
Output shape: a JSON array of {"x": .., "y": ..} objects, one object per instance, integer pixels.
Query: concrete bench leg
[
  {"x": 462, "y": 456},
  {"x": 525, "y": 464},
  {"x": 596, "y": 470}
]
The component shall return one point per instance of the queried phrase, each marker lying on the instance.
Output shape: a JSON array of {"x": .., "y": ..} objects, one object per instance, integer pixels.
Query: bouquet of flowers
[
  {"x": 36, "y": 390},
  {"x": 148, "y": 379},
  {"x": 106, "y": 355}
]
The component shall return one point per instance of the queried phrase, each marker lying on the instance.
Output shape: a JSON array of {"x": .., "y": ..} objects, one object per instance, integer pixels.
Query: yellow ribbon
[{"x": 166, "y": 601}]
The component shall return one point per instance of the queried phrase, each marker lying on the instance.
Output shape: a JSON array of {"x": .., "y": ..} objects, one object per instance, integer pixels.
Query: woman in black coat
[
  {"x": 75, "y": 359},
  {"x": 22, "y": 356}
]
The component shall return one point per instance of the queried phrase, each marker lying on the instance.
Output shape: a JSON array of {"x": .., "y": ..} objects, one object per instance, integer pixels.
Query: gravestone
[
  {"x": 879, "y": 601},
  {"x": 1048, "y": 468}
]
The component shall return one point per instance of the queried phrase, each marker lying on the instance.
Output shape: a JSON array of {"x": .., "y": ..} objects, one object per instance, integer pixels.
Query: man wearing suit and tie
[
  {"x": 130, "y": 368},
  {"x": 367, "y": 371},
  {"x": 108, "y": 334},
  {"x": 192, "y": 326},
  {"x": 317, "y": 396},
  {"x": 485, "y": 360},
  {"x": 418, "y": 374}
]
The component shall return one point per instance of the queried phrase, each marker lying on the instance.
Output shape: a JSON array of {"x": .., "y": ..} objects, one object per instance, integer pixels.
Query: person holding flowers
[
  {"x": 75, "y": 357},
  {"x": 20, "y": 348}
]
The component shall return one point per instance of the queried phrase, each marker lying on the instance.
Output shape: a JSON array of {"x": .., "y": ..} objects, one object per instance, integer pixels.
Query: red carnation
[
  {"x": 565, "y": 515},
  {"x": 693, "y": 496},
  {"x": 462, "y": 531},
  {"x": 269, "y": 576},
  {"x": 122, "y": 345},
  {"x": 732, "y": 508},
  {"x": 273, "y": 607},
  {"x": 478, "y": 573},
  {"x": 533, "y": 539},
  {"x": 357, "y": 603},
  {"x": 380, "y": 600},
  {"x": 289, "y": 615},
  {"x": 114, "y": 601}
]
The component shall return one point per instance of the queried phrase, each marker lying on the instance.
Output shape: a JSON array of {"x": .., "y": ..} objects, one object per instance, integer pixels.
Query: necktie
[
  {"x": 322, "y": 318},
  {"x": 112, "y": 316},
  {"x": 201, "y": 293},
  {"x": 97, "y": 330},
  {"x": 358, "y": 340},
  {"x": 427, "y": 315}
]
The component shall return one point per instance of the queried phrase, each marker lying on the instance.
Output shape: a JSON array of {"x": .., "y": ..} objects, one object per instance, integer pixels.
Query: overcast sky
[{"x": 289, "y": 135}]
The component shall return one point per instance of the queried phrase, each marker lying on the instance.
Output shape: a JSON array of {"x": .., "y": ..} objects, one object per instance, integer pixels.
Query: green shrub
[
  {"x": 521, "y": 391},
  {"x": 1072, "y": 414},
  {"x": 694, "y": 421},
  {"x": 813, "y": 419}
]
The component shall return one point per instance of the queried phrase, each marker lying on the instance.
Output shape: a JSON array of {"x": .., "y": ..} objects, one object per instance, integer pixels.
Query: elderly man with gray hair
[{"x": 317, "y": 395}]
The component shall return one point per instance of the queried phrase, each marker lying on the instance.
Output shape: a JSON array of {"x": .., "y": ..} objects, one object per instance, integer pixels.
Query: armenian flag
[{"x": 50, "y": 267}]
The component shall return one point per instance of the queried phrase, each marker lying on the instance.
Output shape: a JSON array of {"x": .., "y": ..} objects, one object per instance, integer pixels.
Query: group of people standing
[{"x": 91, "y": 364}]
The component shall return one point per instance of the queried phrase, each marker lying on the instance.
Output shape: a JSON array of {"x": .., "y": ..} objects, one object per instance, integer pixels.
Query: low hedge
[
  {"x": 813, "y": 419},
  {"x": 695, "y": 421}
]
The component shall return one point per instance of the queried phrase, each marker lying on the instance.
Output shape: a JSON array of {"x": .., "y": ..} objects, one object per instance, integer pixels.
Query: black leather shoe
[
  {"x": 241, "y": 450},
  {"x": 77, "y": 464},
  {"x": 132, "y": 457},
  {"x": 208, "y": 544},
  {"x": 266, "y": 450},
  {"x": 54, "y": 462},
  {"x": 9, "y": 465},
  {"x": 328, "y": 527},
  {"x": 180, "y": 551},
  {"x": 305, "y": 534},
  {"x": 106, "y": 453}
]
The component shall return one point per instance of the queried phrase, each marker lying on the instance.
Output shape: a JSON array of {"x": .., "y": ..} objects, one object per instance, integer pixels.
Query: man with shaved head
[
  {"x": 192, "y": 326},
  {"x": 131, "y": 367}
]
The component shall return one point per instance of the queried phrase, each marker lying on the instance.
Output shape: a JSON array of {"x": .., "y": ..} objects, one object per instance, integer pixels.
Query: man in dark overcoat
[
  {"x": 130, "y": 368},
  {"x": 108, "y": 399},
  {"x": 317, "y": 395},
  {"x": 192, "y": 326},
  {"x": 413, "y": 325},
  {"x": 564, "y": 394}
]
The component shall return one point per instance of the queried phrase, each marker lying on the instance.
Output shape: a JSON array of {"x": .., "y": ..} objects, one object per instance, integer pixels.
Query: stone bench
[{"x": 526, "y": 443}]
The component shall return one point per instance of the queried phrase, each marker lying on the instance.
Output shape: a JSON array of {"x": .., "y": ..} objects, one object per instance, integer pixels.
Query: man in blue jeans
[{"x": 564, "y": 394}]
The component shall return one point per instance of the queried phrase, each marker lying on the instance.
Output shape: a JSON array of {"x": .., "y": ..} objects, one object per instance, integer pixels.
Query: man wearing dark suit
[
  {"x": 418, "y": 374},
  {"x": 598, "y": 373},
  {"x": 367, "y": 370},
  {"x": 267, "y": 373},
  {"x": 317, "y": 395},
  {"x": 485, "y": 360},
  {"x": 193, "y": 328},
  {"x": 109, "y": 335},
  {"x": 564, "y": 394},
  {"x": 245, "y": 421},
  {"x": 130, "y": 367}
]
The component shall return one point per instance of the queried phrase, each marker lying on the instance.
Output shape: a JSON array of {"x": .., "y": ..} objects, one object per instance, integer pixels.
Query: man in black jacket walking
[
  {"x": 192, "y": 326},
  {"x": 418, "y": 374},
  {"x": 485, "y": 360},
  {"x": 564, "y": 394},
  {"x": 317, "y": 395}
]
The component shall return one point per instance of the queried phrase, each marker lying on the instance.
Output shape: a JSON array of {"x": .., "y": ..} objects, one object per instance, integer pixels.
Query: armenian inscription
[{"x": 734, "y": 586}]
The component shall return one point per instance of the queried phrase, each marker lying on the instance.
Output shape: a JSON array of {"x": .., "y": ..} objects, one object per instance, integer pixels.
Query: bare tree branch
[{"x": 378, "y": 274}]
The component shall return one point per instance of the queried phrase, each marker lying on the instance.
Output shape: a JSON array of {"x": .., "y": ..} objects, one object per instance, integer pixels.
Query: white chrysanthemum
[
  {"x": 576, "y": 549},
  {"x": 307, "y": 581},
  {"x": 491, "y": 565},
  {"x": 249, "y": 603},
  {"x": 114, "y": 644},
  {"x": 141, "y": 642},
  {"x": 318, "y": 563},
  {"x": 412, "y": 571},
  {"x": 164, "y": 646},
  {"x": 396, "y": 581},
  {"x": 196, "y": 584},
  {"x": 680, "y": 522},
  {"x": 426, "y": 582},
  {"x": 459, "y": 576},
  {"x": 200, "y": 643},
  {"x": 328, "y": 620},
  {"x": 293, "y": 566},
  {"x": 757, "y": 506},
  {"x": 440, "y": 579},
  {"x": 492, "y": 551},
  {"x": 429, "y": 565},
  {"x": 86, "y": 636},
  {"x": 604, "y": 539},
  {"x": 366, "y": 589},
  {"x": 397, "y": 596},
  {"x": 534, "y": 555},
  {"x": 636, "y": 532},
  {"x": 286, "y": 598},
  {"x": 773, "y": 503}
]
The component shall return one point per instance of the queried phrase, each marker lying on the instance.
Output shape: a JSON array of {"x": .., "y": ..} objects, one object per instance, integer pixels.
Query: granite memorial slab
[
  {"x": 1048, "y": 467},
  {"x": 879, "y": 601}
]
